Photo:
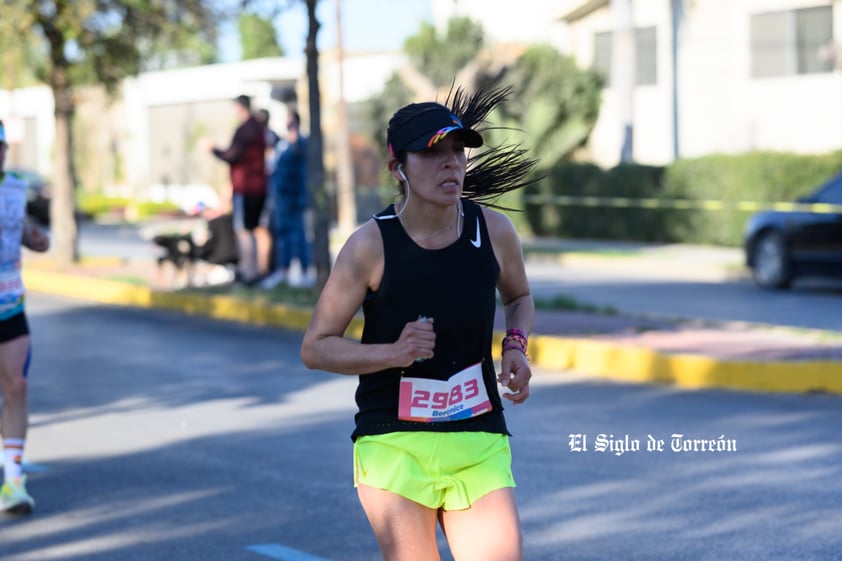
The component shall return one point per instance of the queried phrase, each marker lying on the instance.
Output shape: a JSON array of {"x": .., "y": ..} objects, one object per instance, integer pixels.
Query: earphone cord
[
  {"x": 403, "y": 208},
  {"x": 406, "y": 203}
]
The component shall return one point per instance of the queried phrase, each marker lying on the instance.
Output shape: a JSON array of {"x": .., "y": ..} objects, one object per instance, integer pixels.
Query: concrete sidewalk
[{"x": 618, "y": 347}]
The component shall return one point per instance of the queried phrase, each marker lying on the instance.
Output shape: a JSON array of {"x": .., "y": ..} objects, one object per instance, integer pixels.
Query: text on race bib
[{"x": 462, "y": 396}]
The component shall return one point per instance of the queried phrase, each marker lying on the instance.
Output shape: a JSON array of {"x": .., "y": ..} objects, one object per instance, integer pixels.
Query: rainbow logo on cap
[
  {"x": 457, "y": 124},
  {"x": 440, "y": 134}
]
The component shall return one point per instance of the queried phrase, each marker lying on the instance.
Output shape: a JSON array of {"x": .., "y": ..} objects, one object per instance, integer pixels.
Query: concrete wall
[{"x": 721, "y": 107}]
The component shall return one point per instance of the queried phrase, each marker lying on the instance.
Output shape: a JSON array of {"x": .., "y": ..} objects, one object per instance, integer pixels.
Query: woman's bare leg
[
  {"x": 487, "y": 531},
  {"x": 13, "y": 386},
  {"x": 405, "y": 530}
]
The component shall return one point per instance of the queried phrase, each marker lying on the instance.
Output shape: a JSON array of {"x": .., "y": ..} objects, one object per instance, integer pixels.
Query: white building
[{"x": 714, "y": 75}]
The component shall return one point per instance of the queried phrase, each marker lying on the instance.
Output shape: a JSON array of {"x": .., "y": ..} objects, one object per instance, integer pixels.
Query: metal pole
[
  {"x": 676, "y": 8},
  {"x": 346, "y": 203},
  {"x": 623, "y": 73}
]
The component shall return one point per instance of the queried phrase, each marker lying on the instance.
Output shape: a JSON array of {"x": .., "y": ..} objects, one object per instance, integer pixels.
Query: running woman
[
  {"x": 14, "y": 333},
  {"x": 431, "y": 443}
]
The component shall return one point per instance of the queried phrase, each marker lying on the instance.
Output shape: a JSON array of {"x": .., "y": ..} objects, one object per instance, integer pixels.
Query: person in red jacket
[{"x": 247, "y": 160}]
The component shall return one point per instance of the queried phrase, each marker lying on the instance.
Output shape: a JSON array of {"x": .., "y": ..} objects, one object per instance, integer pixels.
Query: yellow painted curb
[
  {"x": 119, "y": 293},
  {"x": 639, "y": 364},
  {"x": 598, "y": 358}
]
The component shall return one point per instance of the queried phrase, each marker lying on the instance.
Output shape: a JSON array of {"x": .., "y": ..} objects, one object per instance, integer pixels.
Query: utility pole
[
  {"x": 346, "y": 202},
  {"x": 623, "y": 68},
  {"x": 676, "y": 11}
]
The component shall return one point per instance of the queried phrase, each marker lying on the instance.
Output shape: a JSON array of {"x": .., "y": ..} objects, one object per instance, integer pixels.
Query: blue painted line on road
[{"x": 283, "y": 553}]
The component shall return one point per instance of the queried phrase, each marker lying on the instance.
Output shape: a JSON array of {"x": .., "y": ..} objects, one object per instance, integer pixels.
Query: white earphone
[{"x": 400, "y": 171}]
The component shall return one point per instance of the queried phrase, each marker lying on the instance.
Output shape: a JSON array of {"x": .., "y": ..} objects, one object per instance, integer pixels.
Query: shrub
[
  {"x": 714, "y": 188},
  {"x": 94, "y": 204}
]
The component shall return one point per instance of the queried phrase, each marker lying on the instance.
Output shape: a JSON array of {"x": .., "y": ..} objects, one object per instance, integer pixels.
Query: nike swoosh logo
[{"x": 478, "y": 240}]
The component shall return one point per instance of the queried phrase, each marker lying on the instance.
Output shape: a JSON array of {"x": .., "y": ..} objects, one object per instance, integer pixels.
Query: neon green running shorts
[{"x": 447, "y": 470}]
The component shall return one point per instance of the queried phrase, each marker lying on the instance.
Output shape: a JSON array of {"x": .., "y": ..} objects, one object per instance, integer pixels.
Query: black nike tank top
[{"x": 456, "y": 286}]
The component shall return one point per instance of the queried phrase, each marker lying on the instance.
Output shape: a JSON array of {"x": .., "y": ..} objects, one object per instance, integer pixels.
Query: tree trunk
[
  {"x": 62, "y": 204},
  {"x": 315, "y": 161}
]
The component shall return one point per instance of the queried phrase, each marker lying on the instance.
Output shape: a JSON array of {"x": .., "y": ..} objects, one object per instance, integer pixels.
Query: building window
[
  {"x": 646, "y": 68},
  {"x": 792, "y": 42},
  {"x": 602, "y": 55},
  {"x": 646, "y": 59}
]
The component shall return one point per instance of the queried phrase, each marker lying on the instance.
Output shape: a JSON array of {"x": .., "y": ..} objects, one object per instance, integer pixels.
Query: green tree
[
  {"x": 440, "y": 58},
  {"x": 379, "y": 109},
  {"x": 19, "y": 56},
  {"x": 92, "y": 41},
  {"x": 181, "y": 47},
  {"x": 436, "y": 61},
  {"x": 553, "y": 108},
  {"x": 555, "y": 103},
  {"x": 258, "y": 37}
]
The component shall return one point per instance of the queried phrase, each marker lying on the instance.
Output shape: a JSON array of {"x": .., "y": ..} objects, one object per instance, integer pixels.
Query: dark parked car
[
  {"x": 781, "y": 246},
  {"x": 37, "y": 195}
]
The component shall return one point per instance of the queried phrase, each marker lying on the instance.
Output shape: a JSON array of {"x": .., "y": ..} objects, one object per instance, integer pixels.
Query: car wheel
[{"x": 771, "y": 267}]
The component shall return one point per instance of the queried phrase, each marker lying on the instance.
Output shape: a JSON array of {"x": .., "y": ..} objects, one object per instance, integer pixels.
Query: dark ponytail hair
[
  {"x": 495, "y": 170},
  {"x": 491, "y": 171}
]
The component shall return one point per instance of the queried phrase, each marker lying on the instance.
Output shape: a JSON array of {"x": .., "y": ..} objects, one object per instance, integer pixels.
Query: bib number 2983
[{"x": 433, "y": 401}]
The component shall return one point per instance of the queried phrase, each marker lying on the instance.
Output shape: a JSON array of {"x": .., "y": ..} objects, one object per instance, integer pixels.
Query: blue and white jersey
[{"x": 12, "y": 217}]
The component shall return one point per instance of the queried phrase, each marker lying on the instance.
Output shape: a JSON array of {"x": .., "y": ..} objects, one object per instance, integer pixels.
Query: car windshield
[{"x": 830, "y": 192}]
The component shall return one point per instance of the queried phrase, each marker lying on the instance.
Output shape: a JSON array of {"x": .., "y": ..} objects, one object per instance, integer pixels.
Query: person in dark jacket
[
  {"x": 246, "y": 159},
  {"x": 288, "y": 193}
]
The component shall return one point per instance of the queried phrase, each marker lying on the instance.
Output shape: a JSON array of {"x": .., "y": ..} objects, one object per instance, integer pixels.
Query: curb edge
[{"x": 623, "y": 363}]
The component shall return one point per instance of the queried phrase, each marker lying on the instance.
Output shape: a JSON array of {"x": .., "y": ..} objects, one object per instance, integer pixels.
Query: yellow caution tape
[{"x": 684, "y": 204}]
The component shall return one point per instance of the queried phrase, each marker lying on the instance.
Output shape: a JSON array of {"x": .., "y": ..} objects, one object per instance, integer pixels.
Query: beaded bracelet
[
  {"x": 515, "y": 332},
  {"x": 515, "y": 339},
  {"x": 516, "y": 335},
  {"x": 507, "y": 346},
  {"x": 513, "y": 342}
]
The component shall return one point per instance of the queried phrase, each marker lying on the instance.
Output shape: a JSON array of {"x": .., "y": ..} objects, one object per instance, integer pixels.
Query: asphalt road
[
  {"x": 162, "y": 437},
  {"x": 630, "y": 286},
  {"x": 670, "y": 282}
]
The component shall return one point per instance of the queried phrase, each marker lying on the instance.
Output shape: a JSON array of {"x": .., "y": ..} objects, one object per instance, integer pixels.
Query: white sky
[{"x": 367, "y": 25}]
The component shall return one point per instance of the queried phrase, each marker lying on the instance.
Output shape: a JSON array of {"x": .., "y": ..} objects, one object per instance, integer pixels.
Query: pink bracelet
[
  {"x": 516, "y": 332},
  {"x": 515, "y": 339}
]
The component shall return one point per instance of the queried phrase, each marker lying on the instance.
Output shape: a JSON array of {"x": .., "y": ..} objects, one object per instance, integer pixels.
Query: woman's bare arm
[
  {"x": 358, "y": 268},
  {"x": 518, "y": 306}
]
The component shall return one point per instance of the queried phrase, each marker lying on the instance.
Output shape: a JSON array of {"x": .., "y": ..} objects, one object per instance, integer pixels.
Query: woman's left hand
[{"x": 515, "y": 376}]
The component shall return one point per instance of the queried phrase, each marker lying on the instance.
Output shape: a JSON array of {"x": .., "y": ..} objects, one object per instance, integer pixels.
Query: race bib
[
  {"x": 10, "y": 280},
  {"x": 434, "y": 401}
]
